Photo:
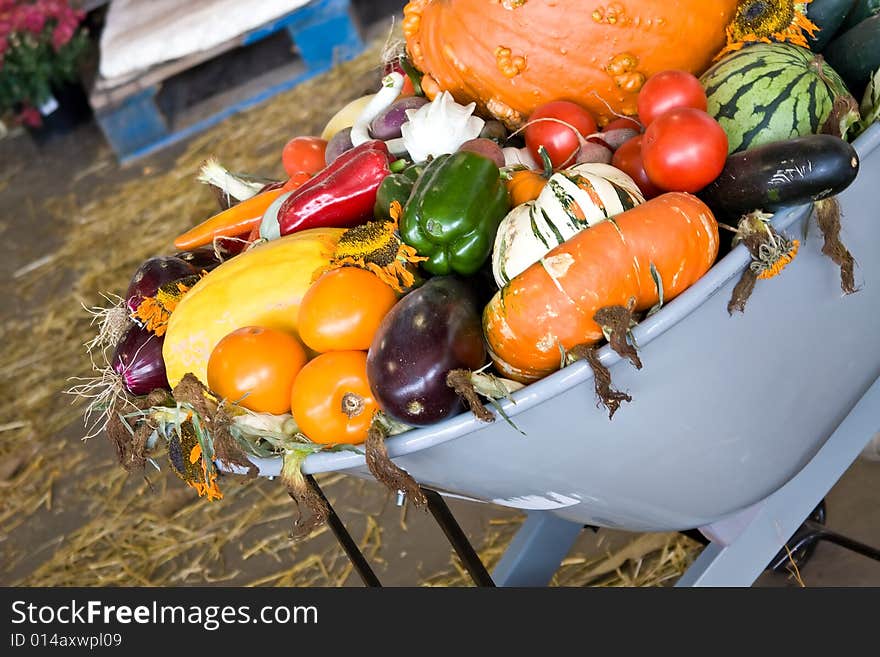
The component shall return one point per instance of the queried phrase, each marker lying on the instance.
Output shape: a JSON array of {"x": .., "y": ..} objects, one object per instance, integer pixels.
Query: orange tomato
[
  {"x": 331, "y": 399},
  {"x": 343, "y": 309},
  {"x": 256, "y": 367}
]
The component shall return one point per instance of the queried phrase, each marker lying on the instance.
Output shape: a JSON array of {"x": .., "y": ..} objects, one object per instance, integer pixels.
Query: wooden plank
[
  {"x": 209, "y": 113},
  {"x": 109, "y": 92},
  {"x": 218, "y": 102},
  {"x": 323, "y": 32},
  {"x": 134, "y": 123}
]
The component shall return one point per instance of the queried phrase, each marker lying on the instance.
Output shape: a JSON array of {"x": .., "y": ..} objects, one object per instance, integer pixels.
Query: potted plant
[{"x": 41, "y": 43}]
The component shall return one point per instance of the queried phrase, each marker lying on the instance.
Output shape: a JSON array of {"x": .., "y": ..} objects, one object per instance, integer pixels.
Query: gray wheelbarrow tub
[{"x": 725, "y": 411}]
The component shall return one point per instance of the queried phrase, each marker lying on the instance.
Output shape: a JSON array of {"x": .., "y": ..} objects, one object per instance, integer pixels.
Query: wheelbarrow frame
[{"x": 747, "y": 481}]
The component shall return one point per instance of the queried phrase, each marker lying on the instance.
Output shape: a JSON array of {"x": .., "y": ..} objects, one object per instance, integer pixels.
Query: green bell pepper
[
  {"x": 454, "y": 211},
  {"x": 395, "y": 187}
]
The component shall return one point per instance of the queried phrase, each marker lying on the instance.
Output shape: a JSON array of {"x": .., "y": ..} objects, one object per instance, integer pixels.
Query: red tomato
[
  {"x": 628, "y": 158},
  {"x": 304, "y": 154},
  {"x": 668, "y": 90},
  {"x": 561, "y": 142},
  {"x": 684, "y": 150},
  {"x": 622, "y": 123}
]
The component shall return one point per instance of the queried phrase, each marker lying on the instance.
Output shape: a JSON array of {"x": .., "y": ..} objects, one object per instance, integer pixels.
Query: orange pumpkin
[{"x": 512, "y": 55}]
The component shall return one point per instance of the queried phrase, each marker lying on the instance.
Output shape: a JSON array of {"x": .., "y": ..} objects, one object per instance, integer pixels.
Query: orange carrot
[
  {"x": 549, "y": 308},
  {"x": 296, "y": 181},
  {"x": 234, "y": 222}
]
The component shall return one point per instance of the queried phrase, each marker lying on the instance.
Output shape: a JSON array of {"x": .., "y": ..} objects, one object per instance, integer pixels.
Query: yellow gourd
[
  {"x": 346, "y": 117},
  {"x": 261, "y": 287}
]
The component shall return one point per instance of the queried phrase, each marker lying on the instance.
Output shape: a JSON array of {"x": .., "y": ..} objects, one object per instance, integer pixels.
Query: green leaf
[
  {"x": 497, "y": 404},
  {"x": 414, "y": 75}
]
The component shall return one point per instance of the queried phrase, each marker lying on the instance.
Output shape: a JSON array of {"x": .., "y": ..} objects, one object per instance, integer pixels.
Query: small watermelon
[{"x": 771, "y": 92}]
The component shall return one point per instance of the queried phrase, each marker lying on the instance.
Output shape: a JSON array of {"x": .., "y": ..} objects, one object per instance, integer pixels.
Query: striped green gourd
[
  {"x": 770, "y": 92},
  {"x": 572, "y": 200}
]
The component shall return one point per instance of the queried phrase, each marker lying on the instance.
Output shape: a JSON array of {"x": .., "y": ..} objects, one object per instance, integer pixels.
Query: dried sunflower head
[
  {"x": 376, "y": 247},
  {"x": 154, "y": 312},
  {"x": 771, "y": 251},
  {"x": 185, "y": 457},
  {"x": 769, "y": 21}
]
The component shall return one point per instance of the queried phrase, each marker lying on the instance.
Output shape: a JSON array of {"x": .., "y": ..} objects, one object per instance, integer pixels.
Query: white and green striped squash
[{"x": 572, "y": 200}]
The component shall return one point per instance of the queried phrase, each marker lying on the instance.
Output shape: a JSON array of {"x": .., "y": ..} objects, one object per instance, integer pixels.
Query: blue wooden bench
[{"x": 129, "y": 116}]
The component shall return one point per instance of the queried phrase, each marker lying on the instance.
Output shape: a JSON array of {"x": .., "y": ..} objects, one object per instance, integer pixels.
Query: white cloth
[{"x": 139, "y": 34}]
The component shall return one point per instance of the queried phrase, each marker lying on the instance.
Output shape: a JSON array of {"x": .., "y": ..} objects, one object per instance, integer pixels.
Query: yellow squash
[
  {"x": 262, "y": 287},
  {"x": 346, "y": 117}
]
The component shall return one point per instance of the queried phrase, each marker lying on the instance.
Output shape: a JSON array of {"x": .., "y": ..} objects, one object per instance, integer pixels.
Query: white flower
[{"x": 439, "y": 127}]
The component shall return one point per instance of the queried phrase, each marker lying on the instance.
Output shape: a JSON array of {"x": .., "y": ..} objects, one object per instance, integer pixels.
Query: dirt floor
[{"x": 75, "y": 224}]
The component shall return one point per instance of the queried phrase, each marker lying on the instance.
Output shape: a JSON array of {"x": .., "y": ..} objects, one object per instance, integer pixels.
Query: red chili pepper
[{"x": 341, "y": 195}]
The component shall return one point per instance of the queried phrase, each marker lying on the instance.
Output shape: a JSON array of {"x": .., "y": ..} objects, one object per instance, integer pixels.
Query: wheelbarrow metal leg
[
  {"x": 460, "y": 543},
  {"x": 536, "y": 551},
  {"x": 811, "y": 533},
  {"x": 772, "y": 522},
  {"x": 825, "y": 534},
  {"x": 358, "y": 560}
]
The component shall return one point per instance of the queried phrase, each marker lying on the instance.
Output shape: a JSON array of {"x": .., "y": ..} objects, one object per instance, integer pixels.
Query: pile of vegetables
[{"x": 473, "y": 226}]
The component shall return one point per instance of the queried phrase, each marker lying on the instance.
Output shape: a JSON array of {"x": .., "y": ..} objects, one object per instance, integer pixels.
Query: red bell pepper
[{"x": 342, "y": 194}]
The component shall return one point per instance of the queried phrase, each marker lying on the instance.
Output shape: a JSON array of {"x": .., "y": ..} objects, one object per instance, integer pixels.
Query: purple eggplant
[
  {"x": 431, "y": 331},
  {"x": 153, "y": 274},
  {"x": 138, "y": 360}
]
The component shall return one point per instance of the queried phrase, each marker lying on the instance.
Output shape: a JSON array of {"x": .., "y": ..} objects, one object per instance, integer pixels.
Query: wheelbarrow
[{"x": 738, "y": 425}]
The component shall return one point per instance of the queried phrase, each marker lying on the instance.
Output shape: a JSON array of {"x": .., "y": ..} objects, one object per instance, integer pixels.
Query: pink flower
[
  {"x": 62, "y": 33},
  {"x": 32, "y": 21}
]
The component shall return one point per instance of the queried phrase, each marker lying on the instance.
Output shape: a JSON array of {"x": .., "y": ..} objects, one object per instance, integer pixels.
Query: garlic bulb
[
  {"x": 439, "y": 127},
  {"x": 519, "y": 157}
]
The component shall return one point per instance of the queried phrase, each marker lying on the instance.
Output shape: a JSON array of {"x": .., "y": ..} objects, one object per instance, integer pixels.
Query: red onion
[
  {"x": 617, "y": 137},
  {"x": 138, "y": 360},
  {"x": 205, "y": 257},
  {"x": 387, "y": 124},
  {"x": 151, "y": 275},
  {"x": 594, "y": 151},
  {"x": 485, "y": 147},
  {"x": 338, "y": 144}
]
